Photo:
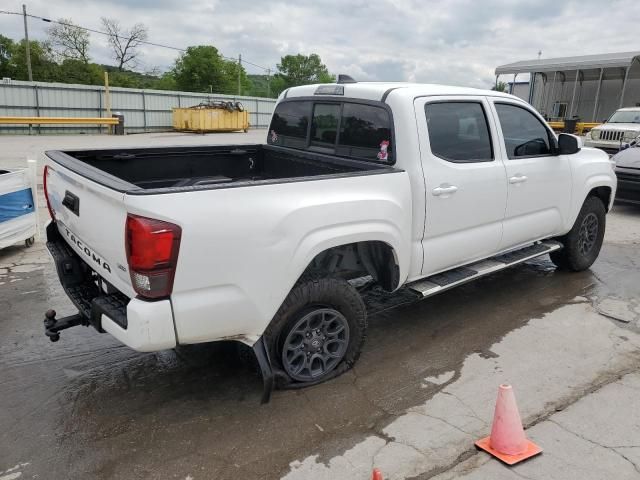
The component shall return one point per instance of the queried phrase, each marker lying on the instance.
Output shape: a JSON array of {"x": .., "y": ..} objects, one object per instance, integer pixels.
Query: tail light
[
  {"x": 152, "y": 254},
  {"x": 45, "y": 179}
]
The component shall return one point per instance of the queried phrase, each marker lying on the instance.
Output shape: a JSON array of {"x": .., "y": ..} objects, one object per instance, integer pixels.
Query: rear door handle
[
  {"x": 519, "y": 178},
  {"x": 444, "y": 190}
]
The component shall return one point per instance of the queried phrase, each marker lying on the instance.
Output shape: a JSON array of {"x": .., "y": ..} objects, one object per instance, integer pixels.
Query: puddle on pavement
[{"x": 197, "y": 409}]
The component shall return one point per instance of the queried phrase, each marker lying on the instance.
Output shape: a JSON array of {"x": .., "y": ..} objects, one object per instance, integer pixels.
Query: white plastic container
[{"x": 18, "y": 206}]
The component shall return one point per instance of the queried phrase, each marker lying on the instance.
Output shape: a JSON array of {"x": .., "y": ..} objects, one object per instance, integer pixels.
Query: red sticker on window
[{"x": 383, "y": 154}]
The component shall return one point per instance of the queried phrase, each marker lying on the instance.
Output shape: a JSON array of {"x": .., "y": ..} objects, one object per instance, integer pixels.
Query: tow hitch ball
[{"x": 53, "y": 326}]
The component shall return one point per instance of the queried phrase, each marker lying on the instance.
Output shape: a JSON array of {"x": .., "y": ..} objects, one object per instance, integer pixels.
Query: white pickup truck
[{"x": 423, "y": 187}]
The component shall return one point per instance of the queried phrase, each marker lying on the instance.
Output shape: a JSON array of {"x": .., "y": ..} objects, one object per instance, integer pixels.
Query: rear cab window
[
  {"x": 291, "y": 122},
  {"x": 346, "y": 128}
]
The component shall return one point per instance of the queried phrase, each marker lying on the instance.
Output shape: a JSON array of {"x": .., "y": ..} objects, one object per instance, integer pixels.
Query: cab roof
[{"x": 378, "y": 91}]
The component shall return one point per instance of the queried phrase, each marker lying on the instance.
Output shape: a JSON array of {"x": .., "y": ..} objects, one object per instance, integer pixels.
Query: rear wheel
[
  {"x": 583, "y": 242},
  {"x": 318, "y": 331}
]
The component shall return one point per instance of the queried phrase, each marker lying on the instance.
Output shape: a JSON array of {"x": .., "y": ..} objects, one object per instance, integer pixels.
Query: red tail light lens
[
  {"x": 152, "y": 254},
  {"x": 45, "y": 179}
]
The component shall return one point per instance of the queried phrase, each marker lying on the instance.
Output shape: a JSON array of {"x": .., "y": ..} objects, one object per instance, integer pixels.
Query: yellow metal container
[{"x": 209, "y": 120}]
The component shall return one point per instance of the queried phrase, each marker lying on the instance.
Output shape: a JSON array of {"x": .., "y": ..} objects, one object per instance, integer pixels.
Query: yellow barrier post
[{"x": 107, "y": 97}]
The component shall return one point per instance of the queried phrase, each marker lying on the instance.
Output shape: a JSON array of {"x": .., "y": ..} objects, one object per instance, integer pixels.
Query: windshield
[{"x": 628, "y": 116}]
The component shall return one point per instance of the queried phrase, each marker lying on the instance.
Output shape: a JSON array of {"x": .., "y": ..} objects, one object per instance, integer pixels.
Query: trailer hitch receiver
[{"x": 53, "y": 326}]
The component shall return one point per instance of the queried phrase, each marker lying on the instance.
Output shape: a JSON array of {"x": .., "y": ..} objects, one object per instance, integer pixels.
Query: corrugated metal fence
[{"x": 144, "y": 110}]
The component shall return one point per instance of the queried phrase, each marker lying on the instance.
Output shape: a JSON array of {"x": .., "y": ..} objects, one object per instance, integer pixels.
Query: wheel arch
[
  {"x": 599, "y": 186},
  {"x": 376, "y": 258},
  {"x": 603, "y": 192}
]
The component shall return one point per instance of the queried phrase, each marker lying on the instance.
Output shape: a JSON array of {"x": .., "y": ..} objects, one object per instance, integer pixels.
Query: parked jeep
[{"x": 623, "y": 127}]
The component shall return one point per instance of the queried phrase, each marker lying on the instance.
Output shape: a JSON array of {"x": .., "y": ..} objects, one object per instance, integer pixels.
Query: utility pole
[
  {"x": 269, "y": 82},
  {"x": 26, "y": 39},
  {"x": 239, "y": 71}
]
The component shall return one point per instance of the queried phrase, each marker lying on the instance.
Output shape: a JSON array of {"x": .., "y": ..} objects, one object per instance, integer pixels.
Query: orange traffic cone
[
  {"x": 376, "y": 475},
  {"x": 507, "y": 441}
]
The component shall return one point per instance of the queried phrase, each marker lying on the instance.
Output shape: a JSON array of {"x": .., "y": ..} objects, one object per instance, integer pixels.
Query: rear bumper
[
  {"x": 145, "y": 326},
  {"x": 149, "y": 326}
]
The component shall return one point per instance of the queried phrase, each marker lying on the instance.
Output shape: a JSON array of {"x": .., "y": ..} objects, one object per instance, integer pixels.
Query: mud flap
[{"x": 262, "y": 356}]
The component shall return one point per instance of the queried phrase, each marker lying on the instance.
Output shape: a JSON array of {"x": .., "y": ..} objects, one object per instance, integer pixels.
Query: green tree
[
  {"x": 500, "y": 87},
  {"x": 202, "y": 69},
  {"x": 166, "y": 82},
  {"x": 43, "y": 66},
  {"x": 77, "y": 71},
  {"x": 294, "y": 70},
  {"x": 7, "y": 47}
]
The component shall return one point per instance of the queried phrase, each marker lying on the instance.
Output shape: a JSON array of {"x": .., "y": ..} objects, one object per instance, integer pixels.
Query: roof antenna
[
  {"x": 539, "y": 54},
  {"x": 345, "y": 79}
]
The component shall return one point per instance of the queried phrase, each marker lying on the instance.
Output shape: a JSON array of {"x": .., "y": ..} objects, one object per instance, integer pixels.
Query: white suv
[{"x": 623, "y": 127}]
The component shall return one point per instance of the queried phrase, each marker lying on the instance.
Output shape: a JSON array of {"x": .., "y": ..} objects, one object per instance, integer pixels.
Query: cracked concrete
[{"x": 597, "y": 437}]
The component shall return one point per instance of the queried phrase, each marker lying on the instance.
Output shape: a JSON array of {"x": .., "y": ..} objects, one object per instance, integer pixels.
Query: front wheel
[
  {"x": 318, "y": 331},
  {"x": 583, "y": 242}
]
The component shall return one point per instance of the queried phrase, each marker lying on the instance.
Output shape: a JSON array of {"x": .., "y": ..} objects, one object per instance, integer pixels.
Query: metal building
[{"x": 589, "y": 87}]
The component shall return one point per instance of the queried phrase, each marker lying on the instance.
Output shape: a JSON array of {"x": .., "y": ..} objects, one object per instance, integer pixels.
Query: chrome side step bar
[{"x": 457, "y": 276}]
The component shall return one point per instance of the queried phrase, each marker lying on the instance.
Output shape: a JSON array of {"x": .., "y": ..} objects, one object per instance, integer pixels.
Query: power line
[{"x": 48, "y": 20}]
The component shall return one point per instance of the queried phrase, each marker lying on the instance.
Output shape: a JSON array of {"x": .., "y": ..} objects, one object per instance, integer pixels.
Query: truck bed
[{"x": 170, "y": 169}]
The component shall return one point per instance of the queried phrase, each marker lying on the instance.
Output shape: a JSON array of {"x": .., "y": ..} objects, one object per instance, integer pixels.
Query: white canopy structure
[{"x": 590, "y": 87}]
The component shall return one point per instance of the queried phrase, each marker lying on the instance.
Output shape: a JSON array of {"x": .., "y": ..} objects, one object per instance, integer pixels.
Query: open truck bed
[{"x": 171, "y": 169}]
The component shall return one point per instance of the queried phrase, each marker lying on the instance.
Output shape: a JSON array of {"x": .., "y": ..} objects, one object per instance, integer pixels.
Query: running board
[{"x": 457, "y": 276}]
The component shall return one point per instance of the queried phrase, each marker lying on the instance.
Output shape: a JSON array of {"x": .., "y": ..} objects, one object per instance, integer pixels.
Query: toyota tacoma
[{"x": 419, "y": 187}]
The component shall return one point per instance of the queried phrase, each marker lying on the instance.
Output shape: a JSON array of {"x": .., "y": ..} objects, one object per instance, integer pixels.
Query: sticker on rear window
[{"x": 383, "y": 154}]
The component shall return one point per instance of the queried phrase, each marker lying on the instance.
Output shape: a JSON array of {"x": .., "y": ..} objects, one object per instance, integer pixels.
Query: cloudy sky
[{"x": 458, "y": 42}]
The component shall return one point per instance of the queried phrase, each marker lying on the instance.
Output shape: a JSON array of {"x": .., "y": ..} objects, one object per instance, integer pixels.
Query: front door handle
[
  {"x": 444, "y": 189},
  {"x": 518, "y": 178}
]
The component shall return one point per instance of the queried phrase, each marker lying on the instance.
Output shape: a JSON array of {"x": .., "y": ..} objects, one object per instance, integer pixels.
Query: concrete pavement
[
  {"x": 422, "y": 392},
  {"x": 597, "y": 437}
]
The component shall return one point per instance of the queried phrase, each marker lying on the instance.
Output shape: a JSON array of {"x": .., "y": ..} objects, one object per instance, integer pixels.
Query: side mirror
[{"x": 568, "y": 144}]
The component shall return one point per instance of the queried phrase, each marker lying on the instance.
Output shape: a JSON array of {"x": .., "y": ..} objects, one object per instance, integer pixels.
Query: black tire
[
  {"x": 29, "y": 242},
  {"x": 329, "y": 299},
  {"x": 239, "y": 107},
  {"x": 583, "y": 242}
]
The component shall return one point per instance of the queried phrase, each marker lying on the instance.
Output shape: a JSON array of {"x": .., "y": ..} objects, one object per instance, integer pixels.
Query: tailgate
[{"x": 91, "y": 218}]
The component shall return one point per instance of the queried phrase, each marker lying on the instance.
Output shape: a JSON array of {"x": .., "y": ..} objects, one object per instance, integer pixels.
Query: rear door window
[
  {"x": 365, "y": 132},
  {"x": 459, "y": 132},
  {"x": 290, "y": 124}
]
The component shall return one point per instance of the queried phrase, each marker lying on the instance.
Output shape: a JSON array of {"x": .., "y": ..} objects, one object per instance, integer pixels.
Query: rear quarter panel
[{"x": 244, "y": 248}]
